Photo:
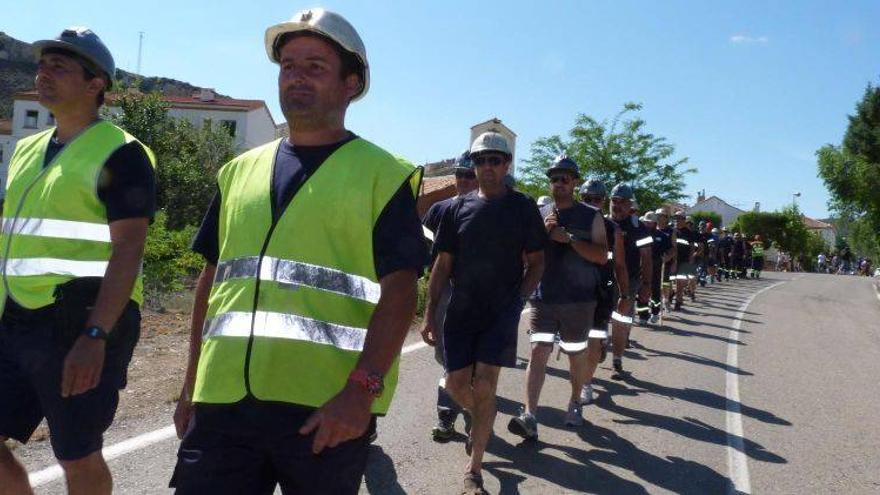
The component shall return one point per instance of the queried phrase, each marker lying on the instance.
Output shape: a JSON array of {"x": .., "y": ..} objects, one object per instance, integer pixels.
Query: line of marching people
[{"x": 580, "y": 261}]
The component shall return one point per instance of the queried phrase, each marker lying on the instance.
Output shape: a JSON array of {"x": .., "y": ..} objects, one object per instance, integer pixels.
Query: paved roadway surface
[{"x": 808, "y": 368}]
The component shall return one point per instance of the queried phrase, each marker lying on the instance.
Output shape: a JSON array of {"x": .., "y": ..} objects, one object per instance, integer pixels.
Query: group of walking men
[
  {"x": 312, "y": 247},
  {"x": 576, "y": 268}
]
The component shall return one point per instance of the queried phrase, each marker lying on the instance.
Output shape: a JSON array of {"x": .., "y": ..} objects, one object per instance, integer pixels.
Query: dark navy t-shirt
[
  {"x": 432, "y": 218},
  {"x": 662, "y": 244},
  {"x": 398, "y": 242},
  {"x": 634, "y": 232},
  {"x": 568, "y": 277},
  {"x": 488, "y": 238},
  {"x": 127, "y": 184}
]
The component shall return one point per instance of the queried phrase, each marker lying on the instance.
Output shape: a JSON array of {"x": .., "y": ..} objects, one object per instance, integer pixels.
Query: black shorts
[
  {"x": 474, "y": 334},
  {"x": 31, "y": 360},
  {"x": 251, "y": 446}
]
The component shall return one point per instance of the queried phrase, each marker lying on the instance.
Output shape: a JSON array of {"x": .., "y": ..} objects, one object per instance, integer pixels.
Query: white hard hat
[
  {"x": 491, "y": 141},
  {"x": 330, "y": 25},
  {"x": 649, "y": 217},
  {"x": 544, "y": 201}
]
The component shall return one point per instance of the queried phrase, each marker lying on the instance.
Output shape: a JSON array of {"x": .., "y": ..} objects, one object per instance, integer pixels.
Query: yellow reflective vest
[
  {"x": 291, "y": 301},
  {"x": 55, "y": 227}
]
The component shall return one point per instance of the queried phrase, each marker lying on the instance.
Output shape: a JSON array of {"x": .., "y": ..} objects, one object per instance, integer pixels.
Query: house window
[
  {"x": 30, "y": 119},
  {"x": 50, "y": 120},
  {"x": 229, "y": 125}
]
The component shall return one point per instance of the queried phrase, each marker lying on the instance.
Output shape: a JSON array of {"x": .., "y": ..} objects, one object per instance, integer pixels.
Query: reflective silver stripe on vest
[
  {"x": 285, "y": 326},
  {"x": 22, "y": 267},
  {"x": 644, "y": 241},
  {"x": 598, "y": 334},
  {"x": 300, "y": 274},
  {"x": 682, "y": 241},
  {"x": 62, "y": 229},
  {"x": 610, "y": 255}
]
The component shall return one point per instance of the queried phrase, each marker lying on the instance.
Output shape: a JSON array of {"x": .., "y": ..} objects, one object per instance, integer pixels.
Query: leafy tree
[
  {"x": 785, "y": 229},
  {"x": 615, "y": 151},
  {"x": 708, "y": 216},
  {"x": 851, "y": 172},
  {"x": 188, "y": 157}
]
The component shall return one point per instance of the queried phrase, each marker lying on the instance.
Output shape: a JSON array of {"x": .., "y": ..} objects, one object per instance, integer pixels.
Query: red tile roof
[
  {"x": 6, "y": 126},
  {"x": 812, "y": 224},
  {"x": 431, "y": 184},
  {"x": 229, "y": 104}
]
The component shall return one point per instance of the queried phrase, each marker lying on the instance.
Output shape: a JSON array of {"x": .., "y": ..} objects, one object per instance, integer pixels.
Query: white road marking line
[
  {"x": 737, "y": 462},
  {"x": 877, "y": 292},
  {"x": 54, "y": 472}
]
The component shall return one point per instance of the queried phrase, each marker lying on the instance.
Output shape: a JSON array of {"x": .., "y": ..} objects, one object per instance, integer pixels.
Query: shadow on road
[
  {"x": 380, "y": 476},
  {"x": 696, "y": 359}
]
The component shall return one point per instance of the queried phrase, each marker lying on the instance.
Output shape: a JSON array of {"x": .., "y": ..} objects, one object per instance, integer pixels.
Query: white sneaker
[{"x": 587, "y": 394}]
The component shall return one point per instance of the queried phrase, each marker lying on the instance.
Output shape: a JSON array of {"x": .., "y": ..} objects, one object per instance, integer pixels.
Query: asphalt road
[{"x": 808, "y": 350}]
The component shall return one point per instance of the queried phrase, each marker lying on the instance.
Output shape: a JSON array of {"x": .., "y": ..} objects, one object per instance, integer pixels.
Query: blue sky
[{"x": 747, "y": 90}]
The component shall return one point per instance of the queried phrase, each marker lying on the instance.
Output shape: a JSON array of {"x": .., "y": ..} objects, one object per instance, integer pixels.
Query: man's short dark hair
[{"x": 351, "y": 64}]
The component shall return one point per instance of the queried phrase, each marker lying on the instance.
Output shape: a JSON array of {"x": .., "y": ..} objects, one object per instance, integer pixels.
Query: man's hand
[
  {"x": 183, "y": 415},
  {"x": 429, "y": 333},
  {"x": 551, "y": 222},
  {"x": 345, "y": 417},
  {"x": 82, "y": 366},
  {"x": 559, "y": 235}
]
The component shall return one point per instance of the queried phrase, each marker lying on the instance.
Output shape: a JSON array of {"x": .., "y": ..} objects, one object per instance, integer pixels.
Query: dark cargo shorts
[
  {"x": 474, "y": 334},
  {"x": 572, "y": 322},
  {"x": 31, "y": 361}
]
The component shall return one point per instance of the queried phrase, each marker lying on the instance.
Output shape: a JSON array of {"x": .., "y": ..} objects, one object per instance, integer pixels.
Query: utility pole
[{"x": 140, "y": 50}]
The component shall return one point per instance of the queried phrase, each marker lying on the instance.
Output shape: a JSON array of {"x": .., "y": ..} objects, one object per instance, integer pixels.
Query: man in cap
[
  {"x": 447, "y": 409},
  {"x": 483, "y": 240},
  {"x": 757, "y": 256},
  {"x": 565, "y": 302},
  {"x": 313, "y": 247},
  {"x": 79, "y": 199},
  {"x": 637, "y": 245},
  {"x": 613, "y": 280},
  {"x": 725, "y": 244},
  {"x": 661, "y": 252},
  {"x": 685, "y": 267},
  {"x": 737, "y": 256},
  {"x": 665, "y": 226},
  {"x": 712, "y": 254}
]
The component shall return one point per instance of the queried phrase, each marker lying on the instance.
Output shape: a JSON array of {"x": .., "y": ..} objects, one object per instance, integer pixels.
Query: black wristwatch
[{"x": 96, "y": 333}]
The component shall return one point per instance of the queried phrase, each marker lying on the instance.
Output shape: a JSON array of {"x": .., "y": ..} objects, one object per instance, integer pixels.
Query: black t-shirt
[
  {"x": 433, "y": 216},
  {"x": 127, "y": 184},
  {"x": 398, "y": 243},
  {"x": 684, "y": 244},
  {"x": 662, "y": 243},
  {"x": 568, "y": 277},
  {"x": 634, "y": 234},
  {"x": 488, "y": 239},
  {"x": 724, "y": 246}
]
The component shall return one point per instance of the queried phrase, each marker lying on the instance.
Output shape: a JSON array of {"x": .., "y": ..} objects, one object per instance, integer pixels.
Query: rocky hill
[{"x": 18, "y": 66}]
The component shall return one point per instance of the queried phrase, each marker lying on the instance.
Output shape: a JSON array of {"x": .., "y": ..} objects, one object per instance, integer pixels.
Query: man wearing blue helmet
[
  {"x": 565, "y": 302},
  {"x": 447, "y": 409},
  {"x": 637, "y": 243},
  {"x": 614, "y": 280}
]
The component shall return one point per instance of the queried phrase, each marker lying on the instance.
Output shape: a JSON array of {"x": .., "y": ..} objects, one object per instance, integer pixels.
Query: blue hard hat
[
  {"x": 623, "y": 191},
  {"x": 564, "y": 164},
  {"x": 593, "y": 187},
  {"x": 463, "y": 162},
  {"x": 87, "y": 45}
]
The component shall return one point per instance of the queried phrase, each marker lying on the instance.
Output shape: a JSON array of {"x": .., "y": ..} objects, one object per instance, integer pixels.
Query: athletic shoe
[
  {"x": 618, "y": 365},
  {"x": 575, "y": 415},
  {"x": 443, "y": 432},
  {"x": 587, "y": 394},
  {"x": 524, "y": 425},
  {"x": 373, "y": 437},
  {"x": 654, "y": 320}
]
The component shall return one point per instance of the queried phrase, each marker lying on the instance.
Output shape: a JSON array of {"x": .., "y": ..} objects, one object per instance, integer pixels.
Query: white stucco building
[
  {"x": 714, "y": 204},
  {"x": 249, "y": 121}
]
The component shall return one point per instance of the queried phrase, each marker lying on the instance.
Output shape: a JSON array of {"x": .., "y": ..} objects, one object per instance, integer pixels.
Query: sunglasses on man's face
[
  {"x": 594, "y": 199},
  {"x": 465, "y": 175},
  {"x": 560, "y": 178},
  {"x": 493, "y": 160}
]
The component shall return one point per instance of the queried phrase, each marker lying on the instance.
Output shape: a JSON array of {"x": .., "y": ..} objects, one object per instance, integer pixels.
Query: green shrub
[{"x": 169, "y": 265}]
